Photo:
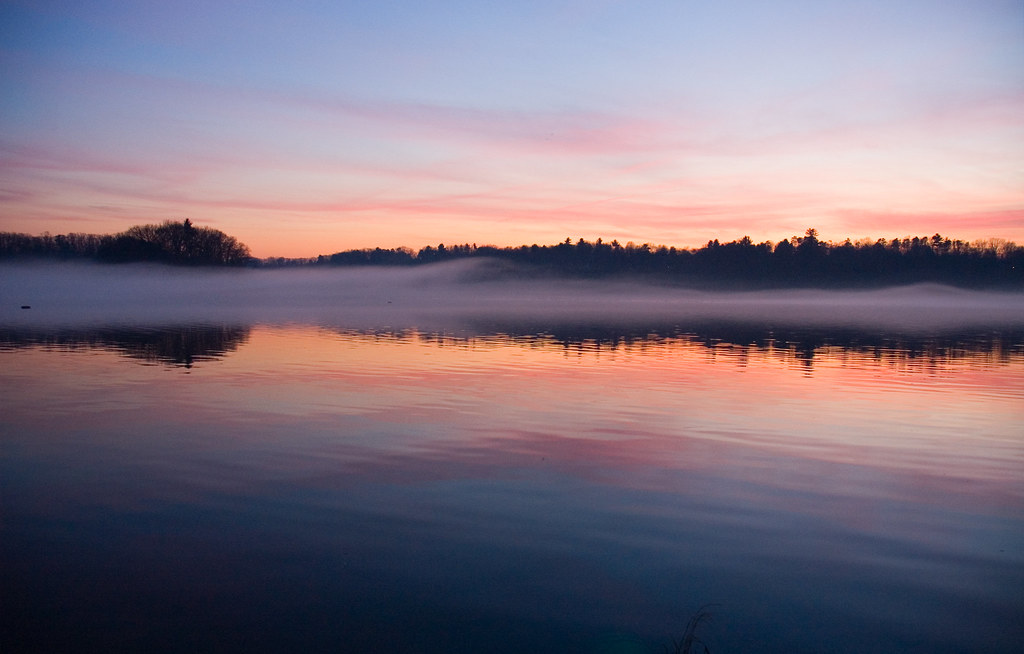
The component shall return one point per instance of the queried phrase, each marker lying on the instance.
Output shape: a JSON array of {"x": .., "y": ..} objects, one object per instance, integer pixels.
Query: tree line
[
  {"x": 180, "y": 243},
  {"x": 798, "y": 261}
]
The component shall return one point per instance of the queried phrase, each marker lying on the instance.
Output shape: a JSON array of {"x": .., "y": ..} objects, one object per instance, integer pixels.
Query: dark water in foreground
[{"x": 305, "y": 488}]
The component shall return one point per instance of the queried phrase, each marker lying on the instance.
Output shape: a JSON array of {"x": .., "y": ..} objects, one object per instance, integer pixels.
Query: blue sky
[{"x": 306, "y": 128}]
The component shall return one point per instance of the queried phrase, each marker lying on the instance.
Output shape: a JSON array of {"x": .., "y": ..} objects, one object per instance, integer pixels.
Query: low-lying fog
[{"x": 455, "y": 295}]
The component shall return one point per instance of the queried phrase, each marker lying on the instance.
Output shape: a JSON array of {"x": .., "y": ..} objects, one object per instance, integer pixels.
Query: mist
[{"x": 457, "y": 295}]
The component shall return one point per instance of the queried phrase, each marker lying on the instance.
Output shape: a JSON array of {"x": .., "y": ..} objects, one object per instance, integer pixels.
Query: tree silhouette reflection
[
  {"x": 804, "y": 345},
  {"x": 180, "y": 346},
  {"x": 186, "y": 346}
]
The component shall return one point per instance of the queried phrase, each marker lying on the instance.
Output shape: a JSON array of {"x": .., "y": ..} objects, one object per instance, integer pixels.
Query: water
[{"x": 544, "y": 486}]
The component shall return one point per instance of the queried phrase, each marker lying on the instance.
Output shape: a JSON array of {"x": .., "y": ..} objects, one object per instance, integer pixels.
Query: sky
[{"x": 305, "y": 128}]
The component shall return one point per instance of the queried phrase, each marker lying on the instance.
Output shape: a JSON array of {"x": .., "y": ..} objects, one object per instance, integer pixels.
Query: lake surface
[{"x": 533, "y": 487}]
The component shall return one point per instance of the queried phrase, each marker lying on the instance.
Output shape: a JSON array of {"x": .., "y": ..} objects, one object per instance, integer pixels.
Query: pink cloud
[
  {"x": 967, "y": 225},
  {"x": 546, "y": 131},
  {"x": 66, "y": 158}
]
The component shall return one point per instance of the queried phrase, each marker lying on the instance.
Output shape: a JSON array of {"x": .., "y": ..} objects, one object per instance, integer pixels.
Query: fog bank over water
[{"x": 457, "y": 295}]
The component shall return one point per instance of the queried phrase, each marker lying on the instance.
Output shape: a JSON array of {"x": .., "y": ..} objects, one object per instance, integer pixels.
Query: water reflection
[
  {"x": 742, "y": 339},
  {"x": 178, "y": 346},
  {"x": 501, "y": 488},
  {"x": 184, "y": 346}
]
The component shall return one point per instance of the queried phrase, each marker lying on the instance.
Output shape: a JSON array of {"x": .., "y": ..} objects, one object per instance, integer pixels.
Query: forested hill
[{"x": 798, "y": 261}]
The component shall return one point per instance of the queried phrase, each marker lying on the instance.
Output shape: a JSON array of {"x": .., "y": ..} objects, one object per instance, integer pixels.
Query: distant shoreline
[{"x": 798, "y": 262}]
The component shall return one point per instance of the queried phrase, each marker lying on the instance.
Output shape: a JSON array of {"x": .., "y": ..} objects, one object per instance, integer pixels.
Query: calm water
[{"x": 300, "y": 487}]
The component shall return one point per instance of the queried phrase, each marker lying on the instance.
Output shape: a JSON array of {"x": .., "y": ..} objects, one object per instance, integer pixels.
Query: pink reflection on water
[
  {"x": 334, "y": 408},
  {"x": 603, "y": 478}
]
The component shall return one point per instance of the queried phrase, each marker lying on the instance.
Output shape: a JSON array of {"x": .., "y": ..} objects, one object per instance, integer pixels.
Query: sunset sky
[{"x": 307, "y": 128}]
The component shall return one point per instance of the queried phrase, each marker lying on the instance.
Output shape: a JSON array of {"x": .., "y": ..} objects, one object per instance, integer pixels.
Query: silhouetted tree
[
  {"x": 178, "y": 243},
  {"x": 125, "y": 249}
]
